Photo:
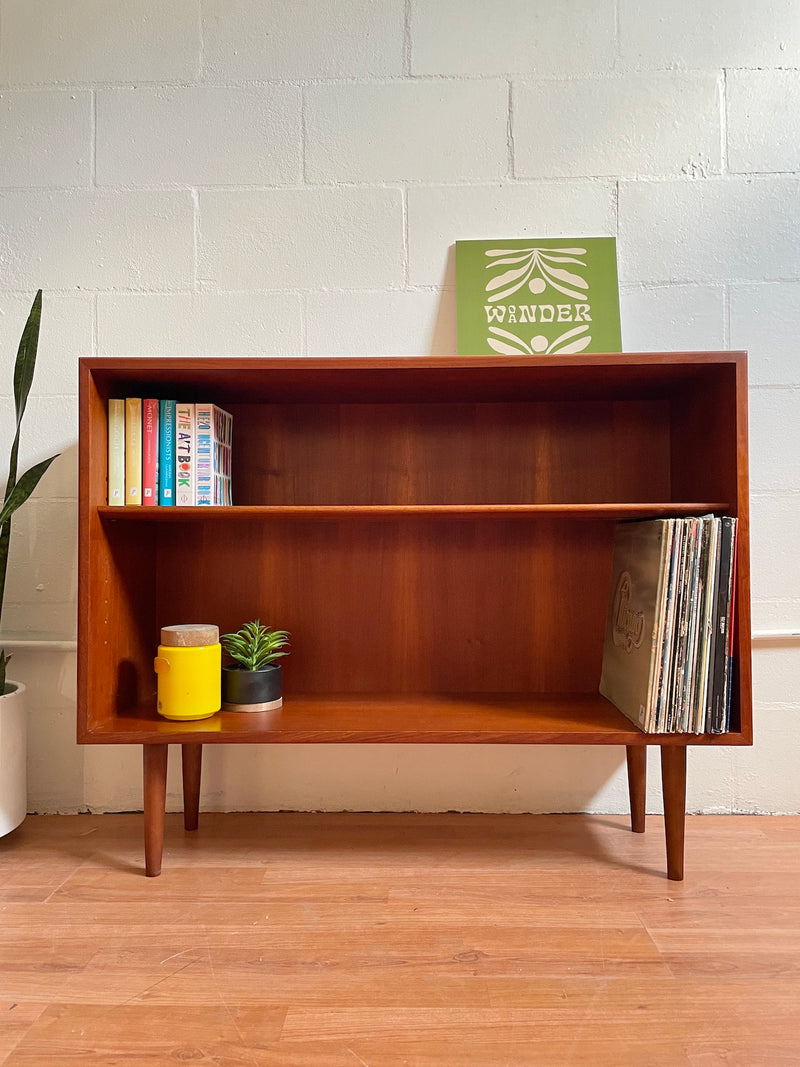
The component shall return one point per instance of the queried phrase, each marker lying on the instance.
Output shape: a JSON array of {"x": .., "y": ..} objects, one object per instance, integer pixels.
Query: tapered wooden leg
[
  {"x": 673, "y": 783},
  {"x": 191, "y": 759},
  {"x": 155, "y": 798},
  {"x": 637, "y": 785}
]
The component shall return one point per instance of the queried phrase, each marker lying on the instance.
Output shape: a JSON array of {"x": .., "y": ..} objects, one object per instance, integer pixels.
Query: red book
[{"x": 149, "y": 452}]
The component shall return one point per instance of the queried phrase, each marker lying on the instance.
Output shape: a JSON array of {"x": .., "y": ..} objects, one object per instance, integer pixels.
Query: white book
[
  {"x": 116, "y": 452},
  {"x": 185, "y": 471}
]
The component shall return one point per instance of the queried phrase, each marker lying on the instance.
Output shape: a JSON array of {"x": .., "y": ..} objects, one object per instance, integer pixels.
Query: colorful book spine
[
  {"x": 166, "y": 453},
  {"x": 213, "y": 435},
  {"x": 224, "y": 458},
  {"x": 133, "y": 451},
  {"x": 204, "y": 443},
  {"x": 149, "y": 452},
  {"x": 116, "y": 452},
  {"x": 184, "y": 455}
]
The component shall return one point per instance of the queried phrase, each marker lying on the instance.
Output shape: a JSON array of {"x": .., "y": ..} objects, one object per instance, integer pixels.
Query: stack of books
[
  {"x": 668, "y": 644},
  {"x": 168, "y": 453}
]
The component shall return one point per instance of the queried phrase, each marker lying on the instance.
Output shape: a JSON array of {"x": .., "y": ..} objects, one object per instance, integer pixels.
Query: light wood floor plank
[{"x": 430, "y": 941}]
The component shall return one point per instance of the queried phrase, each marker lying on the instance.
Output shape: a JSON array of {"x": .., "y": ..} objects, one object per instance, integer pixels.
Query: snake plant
[{"x": 19, "y": 489}]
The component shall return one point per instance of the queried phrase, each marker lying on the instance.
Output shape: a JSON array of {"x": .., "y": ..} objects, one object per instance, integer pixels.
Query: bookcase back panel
[
  {"x": 456, "y": 453},
  {"x": 405, "y": 606}
]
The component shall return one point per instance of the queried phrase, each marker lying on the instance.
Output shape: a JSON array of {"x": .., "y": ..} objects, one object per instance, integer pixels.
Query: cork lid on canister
[{"x": 189, "y": 635}]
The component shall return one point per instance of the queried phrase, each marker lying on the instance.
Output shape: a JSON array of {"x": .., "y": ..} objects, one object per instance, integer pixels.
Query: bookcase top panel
[{"x": 410, "y": 378}]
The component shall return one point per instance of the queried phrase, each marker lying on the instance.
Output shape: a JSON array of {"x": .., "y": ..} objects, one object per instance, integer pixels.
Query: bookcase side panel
[
  {"x": 743, "y": 619},
  {"x": 116, "y": 580}
]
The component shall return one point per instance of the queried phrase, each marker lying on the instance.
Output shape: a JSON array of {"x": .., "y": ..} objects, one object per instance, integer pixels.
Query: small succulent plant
[{"x": 255, "y": 646}]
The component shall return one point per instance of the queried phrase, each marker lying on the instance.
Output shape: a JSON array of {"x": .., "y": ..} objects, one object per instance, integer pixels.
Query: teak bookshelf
[{"x": 436, "y": 534}]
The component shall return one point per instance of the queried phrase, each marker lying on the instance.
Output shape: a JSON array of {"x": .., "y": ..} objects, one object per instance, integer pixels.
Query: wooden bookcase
[{"x": 436, "y": 534}]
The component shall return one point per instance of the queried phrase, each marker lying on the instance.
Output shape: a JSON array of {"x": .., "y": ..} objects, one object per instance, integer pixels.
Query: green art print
[{"x": 531, "y": 296}]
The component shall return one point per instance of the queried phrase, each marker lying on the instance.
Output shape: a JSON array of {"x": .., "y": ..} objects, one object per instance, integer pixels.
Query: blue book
[{"x": 166, "y": 452}]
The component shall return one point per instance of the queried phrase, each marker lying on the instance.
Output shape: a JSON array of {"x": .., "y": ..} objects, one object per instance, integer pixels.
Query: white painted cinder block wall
[{"x": 253, "y": 177}]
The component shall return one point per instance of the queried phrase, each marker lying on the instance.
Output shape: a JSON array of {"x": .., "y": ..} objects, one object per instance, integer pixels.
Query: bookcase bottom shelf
[{"x": 461, "y": 718}]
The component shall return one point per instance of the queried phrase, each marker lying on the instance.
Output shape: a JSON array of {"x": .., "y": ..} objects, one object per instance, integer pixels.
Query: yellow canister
[{"x": 189, "y": 669}]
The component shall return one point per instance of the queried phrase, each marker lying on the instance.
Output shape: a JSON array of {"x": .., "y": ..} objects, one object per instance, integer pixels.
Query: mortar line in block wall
[
  {"x": 195, "y": 193},
  {"x": 303, "y": 183},
  {"x": 510, "y": 155},
  {"x": 201, "y": 43},
  {"x": 303, "y": 297},
  {"x": 406, "y": 263},
  {"x": 726, "y": 316},
  {"x": 723, "y": 122},
  {"x": 93, "y": 141},
  {"x": 407, "y": 43}
]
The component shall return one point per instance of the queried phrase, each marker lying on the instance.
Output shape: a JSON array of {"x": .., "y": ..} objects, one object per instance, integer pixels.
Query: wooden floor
[{"x": 381, "y": 940}]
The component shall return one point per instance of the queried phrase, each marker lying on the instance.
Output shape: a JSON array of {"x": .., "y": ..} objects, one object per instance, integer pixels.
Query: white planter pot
[{"x": 13, "y": 776}]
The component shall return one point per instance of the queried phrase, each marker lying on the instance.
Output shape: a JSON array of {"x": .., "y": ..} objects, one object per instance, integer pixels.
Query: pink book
[{"x": 149, "y": 452}]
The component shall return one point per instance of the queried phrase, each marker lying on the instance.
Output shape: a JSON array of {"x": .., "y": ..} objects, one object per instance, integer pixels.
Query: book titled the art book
[
  {"x": 185, "y": 458},
  {"x": 537, "y": 296}
]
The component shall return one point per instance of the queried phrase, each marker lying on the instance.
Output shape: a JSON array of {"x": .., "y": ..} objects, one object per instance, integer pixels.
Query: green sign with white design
[{"x": 531, "y": 297}]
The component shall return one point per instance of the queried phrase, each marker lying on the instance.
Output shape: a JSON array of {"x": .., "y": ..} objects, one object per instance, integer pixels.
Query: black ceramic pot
[{"x": 244, "y": 690}]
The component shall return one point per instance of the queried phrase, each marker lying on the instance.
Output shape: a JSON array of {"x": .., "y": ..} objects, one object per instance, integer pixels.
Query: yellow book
[
  {"x": 116, "y": 452},
  {"x": 133, "y": 451}
]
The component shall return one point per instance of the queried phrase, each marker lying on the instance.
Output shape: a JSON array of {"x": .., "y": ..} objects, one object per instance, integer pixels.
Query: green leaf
[
  {"x": 26, "y": 356},
  {"x": 23, "y": 378},
  {"x": 23, "y": 489}
]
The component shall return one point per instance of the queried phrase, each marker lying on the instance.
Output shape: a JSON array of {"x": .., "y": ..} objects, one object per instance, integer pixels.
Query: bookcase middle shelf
[{"x": 598, "y": 511}]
